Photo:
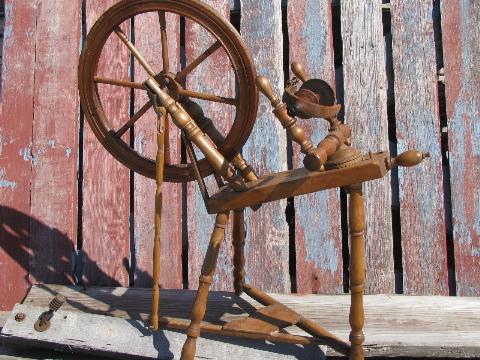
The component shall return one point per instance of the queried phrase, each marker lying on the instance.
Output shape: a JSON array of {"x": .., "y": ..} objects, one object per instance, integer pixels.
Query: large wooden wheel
[{"x": 225, "y": 36}]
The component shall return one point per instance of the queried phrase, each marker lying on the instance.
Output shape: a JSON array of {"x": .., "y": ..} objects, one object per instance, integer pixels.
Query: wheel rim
[{"x": 223, "y": 33}]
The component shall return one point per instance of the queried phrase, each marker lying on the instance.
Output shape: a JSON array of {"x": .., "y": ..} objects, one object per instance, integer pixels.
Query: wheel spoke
[
  {"x": 124, "y": 83},
  {"x": 189, "y": 68},
  {"x": 134, "y": 118},
  {"x": 209, "y": 97},
  {"x": 163, "y": 34},
  {"x": 134, "y": 51}
]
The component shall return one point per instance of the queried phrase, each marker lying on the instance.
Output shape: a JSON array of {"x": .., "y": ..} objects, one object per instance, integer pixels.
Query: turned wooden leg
[
  {"x": 206, "y": 278},
  {"x": 357, "y": 271},
  {"x": 159, "y": 166},
  {"x": 238, "y": 250}
]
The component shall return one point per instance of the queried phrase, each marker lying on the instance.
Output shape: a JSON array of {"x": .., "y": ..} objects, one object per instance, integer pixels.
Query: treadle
[{"x": 267, "y": 320}]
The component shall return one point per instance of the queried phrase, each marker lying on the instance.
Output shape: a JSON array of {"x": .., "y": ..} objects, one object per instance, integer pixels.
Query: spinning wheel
[
  {"x": 226, "y": 37},
  {"x": 332, "y": 163}
]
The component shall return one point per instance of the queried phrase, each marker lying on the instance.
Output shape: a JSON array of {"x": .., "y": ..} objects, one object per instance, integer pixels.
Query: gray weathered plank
[
  {"x": 318, "y": 234},
  {"x": 124, "y": 338},
  {"x": 424, "y": 326},
  {"x": 461, "y": 51},
  {"x": 422, "y": 214},
  {"x": 267, "y": 230},
  {"x": 213, "y": 76},
  {"x": 365, "y": 97}
]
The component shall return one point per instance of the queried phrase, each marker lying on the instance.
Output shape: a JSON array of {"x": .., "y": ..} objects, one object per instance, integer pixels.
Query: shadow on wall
[{"x": 31, "y": 252}]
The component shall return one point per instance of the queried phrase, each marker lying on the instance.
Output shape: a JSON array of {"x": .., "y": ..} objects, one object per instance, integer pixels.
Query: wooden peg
[
  {"x": 299, "y": 71},
  {"x": 266, "y": 89},
  {"x": 408, "y": 158},
  {"x": 296, "y": 132}
]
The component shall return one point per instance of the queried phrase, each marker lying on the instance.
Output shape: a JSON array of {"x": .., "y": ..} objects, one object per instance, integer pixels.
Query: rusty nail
[{"x": 20, "y": 316}]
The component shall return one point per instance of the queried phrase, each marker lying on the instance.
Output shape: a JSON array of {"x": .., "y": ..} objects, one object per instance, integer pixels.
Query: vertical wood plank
[
  {"x": 55, "y": 141},
  {"x": 418, "y": 126},
  {"x": 15, "y": 148},
  {"x": 318, "y": 234},
  {"x": 147, "y": 41},
  {"x": 461, "y": 51},
  {"x": 213, "y": 76},
  {"x": 267, "y": 248},
  {"x": 106, "y": 182},
  {"x": 365, "y": 98}
]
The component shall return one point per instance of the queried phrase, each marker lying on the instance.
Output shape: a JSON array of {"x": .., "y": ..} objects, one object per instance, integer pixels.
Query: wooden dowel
[
  {"x": 134, "y": 51},
  {"x": 190, "y": 67},
  {"x": 164, "y": 40},
  {"x": 159, "y": 168},
  {"x": 134, "y": 118},
  {"x": 124, "y": 83},
  {"x": 208, "y": 97}
]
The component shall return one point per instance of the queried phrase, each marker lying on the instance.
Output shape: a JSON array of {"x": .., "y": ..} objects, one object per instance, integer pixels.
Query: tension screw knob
[{"x": 408, "y": 158}]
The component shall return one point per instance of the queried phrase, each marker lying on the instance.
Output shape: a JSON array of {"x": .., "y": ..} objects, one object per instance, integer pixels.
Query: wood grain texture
[
  {"x": 461, "y": 51},
  {"x": 422, "y": 213},
  {"x": 318, "y": 236},
  {"x": 92, "y": 334},
  {"x": 213, "y": 76},
  {"x": 365, "y": 98},
  {"x": 267, "y": 248},
  {"x": 15, "y": 148},
  {"x": 55, "y": 142},
  {"x": 147, "y": 41},
  {"x": 106, "y": 182},
  {"x": 424, "y": 326}
]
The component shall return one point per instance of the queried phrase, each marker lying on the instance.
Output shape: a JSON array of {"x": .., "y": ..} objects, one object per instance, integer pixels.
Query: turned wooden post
[
  {"x": 299, "y": 71},
  {"x": 357, "y": 271},
  {"x": 296, "y": 132},
  {"x": 159, "y": 167},
  {"x": 238, "y": 250},
  {"x": 206, "y": 278}
]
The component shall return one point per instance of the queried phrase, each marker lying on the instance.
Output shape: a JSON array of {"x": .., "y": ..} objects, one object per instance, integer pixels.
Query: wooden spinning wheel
[
  {"x": 332, "y": 163},
  {"x": 244, "y": 101}
]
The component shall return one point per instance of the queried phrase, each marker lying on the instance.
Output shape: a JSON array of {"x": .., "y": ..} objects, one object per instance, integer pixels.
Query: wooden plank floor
[{"x": 413, "y": 326}]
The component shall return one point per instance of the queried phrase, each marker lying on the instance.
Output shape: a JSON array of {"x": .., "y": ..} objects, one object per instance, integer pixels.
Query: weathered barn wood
[
  {"x": 106, "y": 182},
  {"x": 418, "y": 126},
  {"x": 414, "y": 326},
  {"x": 39, "y": 150},
  {"x": 213, "y": 76},
  {"x": 365, "y": 97},
  {"x": 54, "y": 149},
  {"x": 461, "y": 51},
  {"x": 318, "y": 233},
  {"x": 15, "y": 148},
  {"x": 267, "y": 230},
  {"x": 147, "y": 41},
  {"x": 92, "y": 334}
]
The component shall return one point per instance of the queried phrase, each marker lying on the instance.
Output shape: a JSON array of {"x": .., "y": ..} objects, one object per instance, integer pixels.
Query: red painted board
[
  {"x": 318, "y": 233},
  {"x": 461, "y": 53},
  {"x": 213, "y": 76},
  {"x": 267, "y": 243},
  {"x": 55, "y": 142},
  {"x": 365, "y": 97},
  {"x": 106, "y": 182},
  {"x": 147, "y": 41},
  {"x": 422, "y": 213},
  {"x": 15, "y": 149}
]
